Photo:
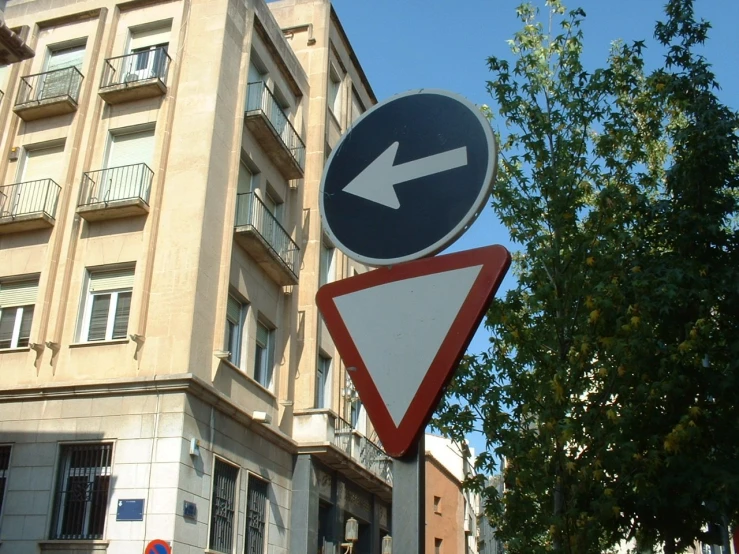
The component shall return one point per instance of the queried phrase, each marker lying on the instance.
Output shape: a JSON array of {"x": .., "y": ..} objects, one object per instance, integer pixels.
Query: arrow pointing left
[{"x": 377, "y": 181}]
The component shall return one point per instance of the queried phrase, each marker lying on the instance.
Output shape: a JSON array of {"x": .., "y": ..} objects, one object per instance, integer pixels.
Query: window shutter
[
  {"x": 111, "y": 280},
  {"x": 150, "y": 37},
  {"x": 131, "y": 148},
  {"x": 123, "y": 309},
  {"x": 18, "y": 294},
  {"x": 43, "y": 163},
  {"x": 99, "y": 317},
  {"x": 68, "y": 57},
  {"x": 233, "y": 310}
]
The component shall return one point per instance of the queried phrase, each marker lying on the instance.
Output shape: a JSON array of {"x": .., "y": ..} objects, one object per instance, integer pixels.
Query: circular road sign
[
  {"x": 158, "y": 546},
  {"x": 408, "y": 178}
]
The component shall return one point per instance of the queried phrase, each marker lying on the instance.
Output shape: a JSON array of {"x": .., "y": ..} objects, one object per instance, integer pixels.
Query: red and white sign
[{"x": 402, "y": 331}]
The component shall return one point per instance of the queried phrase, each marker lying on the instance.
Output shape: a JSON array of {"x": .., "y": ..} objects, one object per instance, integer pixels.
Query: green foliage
[{"x": 609, "y": 386}]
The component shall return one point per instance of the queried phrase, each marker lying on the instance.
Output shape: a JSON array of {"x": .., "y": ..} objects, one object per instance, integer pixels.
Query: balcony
[
  {"x": 48, "y": 94},
  {"x": 334, "y": 441},
  {"x": 115, "y": 192},
  {"x": 28, "y": 206},
  {"x": 135, "y": 76},
  {"x": 269, "y": 124},
  {"x": 261, "y": 235}
]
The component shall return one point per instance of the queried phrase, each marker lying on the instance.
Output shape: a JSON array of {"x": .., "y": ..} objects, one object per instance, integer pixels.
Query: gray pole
[{"x": 409, "y": 494}]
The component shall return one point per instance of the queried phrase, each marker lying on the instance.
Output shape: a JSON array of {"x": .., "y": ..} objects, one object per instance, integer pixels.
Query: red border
[
  {"x": 158, "y": 542},
  {"x": 398, "y": 441}
]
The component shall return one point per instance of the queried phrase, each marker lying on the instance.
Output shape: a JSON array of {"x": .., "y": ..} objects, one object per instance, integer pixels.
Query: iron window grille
[
  {"x": 223, "y": 507},
  {"x": 4, "y": 465},
  {"x": 82, "y": 492},
  {"x": 256, "y": 515}
]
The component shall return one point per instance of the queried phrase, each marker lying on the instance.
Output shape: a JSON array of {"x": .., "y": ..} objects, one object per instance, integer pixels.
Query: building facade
[
  {"x": 164, "y": 373},
  {"x": 487, "y": 542},
  {"x": 451, "y": 511}
]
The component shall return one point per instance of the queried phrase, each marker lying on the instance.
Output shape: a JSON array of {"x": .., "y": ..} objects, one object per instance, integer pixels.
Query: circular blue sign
[{"x": 408, "y": 178}]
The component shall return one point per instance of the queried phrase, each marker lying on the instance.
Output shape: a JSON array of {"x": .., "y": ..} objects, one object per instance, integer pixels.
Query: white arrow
[{"x": 376, "y": 182}]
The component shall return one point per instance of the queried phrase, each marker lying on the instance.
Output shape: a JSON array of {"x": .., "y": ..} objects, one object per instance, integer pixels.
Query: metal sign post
[{"x": 409, "y": 502}]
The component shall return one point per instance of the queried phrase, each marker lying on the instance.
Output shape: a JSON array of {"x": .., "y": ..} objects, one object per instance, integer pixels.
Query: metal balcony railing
[
  {"x": 139, "y": 66},
  {"x": 260, "y": 98},
  {"x": 250, "y": 210},
  {"x": 116, "y": 183},
  {"x": 360, "y": 448},
  {"x": 57, "y": 84},
  {"x": 30, "y": 197}
]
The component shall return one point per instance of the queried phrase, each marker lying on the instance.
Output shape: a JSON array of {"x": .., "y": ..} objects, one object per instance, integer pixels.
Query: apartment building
[
  {"x": 451, "y": 511},
  {"x": 164, "y": 373}
]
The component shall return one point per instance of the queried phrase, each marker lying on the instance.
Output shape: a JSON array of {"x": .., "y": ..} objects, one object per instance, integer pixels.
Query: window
[
  {"x": 41, "y": 162},
  {"x": 264, "y": 355},
  {"x": 437, "y": 546},
  {"x": 257, "y": 77},
  {"x": 125, "y": 177},
  {"x": 107, "y": 306},
  {"x": 327, "y": 264},
  {"x": 150, "y": 45},
  {"x": 17, "y": 300},
  {"x": 323, "y": 382},
  {"x": 235, "y": 312},
  {"x": 256, "y": 516},
  {"x": 4, "y": 465},
  {"x": 223, "y": 506},
  {"x": 55, "y": 82},
  {"x": 437, "y": 504},
  {"x": 357, "y": 107},
  {"x": 334, "y": 92},
  {"x": 82, "y": 491},
  {"x": 358, "y": 416}
]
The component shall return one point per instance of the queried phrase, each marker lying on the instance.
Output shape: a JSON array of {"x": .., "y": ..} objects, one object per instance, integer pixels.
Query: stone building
[{"x": 164, "y": 373}]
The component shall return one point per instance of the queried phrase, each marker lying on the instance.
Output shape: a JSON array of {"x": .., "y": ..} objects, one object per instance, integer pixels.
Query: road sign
[
  {"x": 158, "y": 547},
  {"x": 402, "y": 331},
  {"x": 408, "y": 178}
]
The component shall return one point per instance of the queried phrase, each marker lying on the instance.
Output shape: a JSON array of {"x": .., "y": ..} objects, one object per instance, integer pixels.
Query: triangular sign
[{"x": 402, "y": 331}]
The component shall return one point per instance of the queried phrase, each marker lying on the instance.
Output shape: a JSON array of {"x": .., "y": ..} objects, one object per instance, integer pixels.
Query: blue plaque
[
  {"x": 130, "y": 510},
  {"x": 190, "y": 510}
]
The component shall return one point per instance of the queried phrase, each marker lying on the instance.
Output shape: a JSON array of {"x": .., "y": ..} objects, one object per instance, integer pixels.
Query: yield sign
[{"x": 402, "y": 331}]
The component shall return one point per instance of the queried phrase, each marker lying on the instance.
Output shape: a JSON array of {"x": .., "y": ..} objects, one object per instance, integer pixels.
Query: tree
[{"x": 607, "y": 386}]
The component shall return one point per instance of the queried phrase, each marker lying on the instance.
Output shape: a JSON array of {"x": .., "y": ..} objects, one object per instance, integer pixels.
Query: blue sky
[{"x": 411, "y": 44}]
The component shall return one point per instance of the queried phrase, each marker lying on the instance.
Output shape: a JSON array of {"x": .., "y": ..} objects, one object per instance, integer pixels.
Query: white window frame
[
  {"x": 234, "y": 340},
  {"x": 323, "y": 384},
  {"x": 267, "y": 358},
  {"x": 19, "y": 309},
  {"x": 327, "y": 263},
  {"x": 334, "y": 90},
  {"x": 84, "y": 331}
]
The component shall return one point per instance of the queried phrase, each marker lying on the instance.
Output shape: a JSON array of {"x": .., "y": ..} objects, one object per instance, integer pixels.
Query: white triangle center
[{"x": 399, "y": 327}]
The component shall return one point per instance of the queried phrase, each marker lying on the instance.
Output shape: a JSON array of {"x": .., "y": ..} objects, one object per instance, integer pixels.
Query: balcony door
[
  {"x": 148, "y": 48},
  {"x": 58, "y": 83},
  {"x": 124, "y": 176},
  {"x": 32, "y": 191},
  {"x": 272, "y": 225}
]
